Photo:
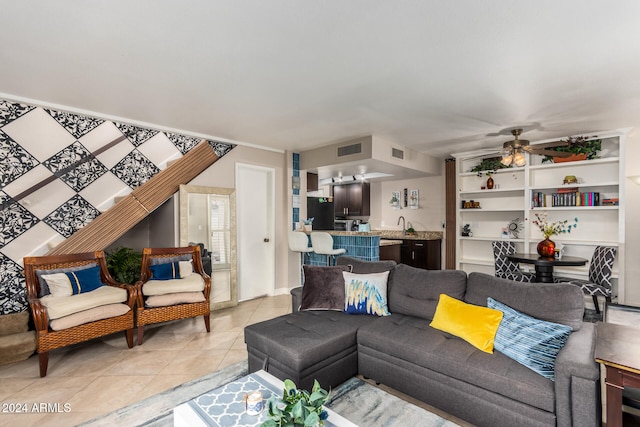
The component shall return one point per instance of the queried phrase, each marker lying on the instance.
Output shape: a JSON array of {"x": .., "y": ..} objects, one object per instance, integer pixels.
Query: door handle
[{"x": 266, "y": 240}]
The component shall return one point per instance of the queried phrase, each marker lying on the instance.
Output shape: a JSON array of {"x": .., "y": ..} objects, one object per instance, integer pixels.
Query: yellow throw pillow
[{"x": 475, "y": 324}]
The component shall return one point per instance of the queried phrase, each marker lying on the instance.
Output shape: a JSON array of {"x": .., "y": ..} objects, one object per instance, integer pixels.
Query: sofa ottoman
[{"x": 305, "y": 346}]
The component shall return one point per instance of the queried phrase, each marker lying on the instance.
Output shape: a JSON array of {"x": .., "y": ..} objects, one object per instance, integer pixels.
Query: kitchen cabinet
[
  {"x": 421, "y": 253},
  {"x": 352, "y": 199},
  {"x": 390, "y": 252},
  {"x": 312, "y": 181}
]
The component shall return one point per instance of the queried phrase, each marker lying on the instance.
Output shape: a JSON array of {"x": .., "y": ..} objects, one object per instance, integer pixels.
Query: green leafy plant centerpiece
[
  {"x": 586, "y": 145},
  {"x": 124, "y": 264},
  {"x": 297, "y": 407},
  {"x": 554, "y": 228}
]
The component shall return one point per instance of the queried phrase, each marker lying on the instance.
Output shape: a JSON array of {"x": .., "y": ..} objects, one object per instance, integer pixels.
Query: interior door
[{"x": 255, "y": 189}]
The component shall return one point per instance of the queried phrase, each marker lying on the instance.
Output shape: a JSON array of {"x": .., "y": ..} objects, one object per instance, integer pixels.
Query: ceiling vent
[
  {"x": 348, "y": 150},
  {"x": 397, "y": 153}
]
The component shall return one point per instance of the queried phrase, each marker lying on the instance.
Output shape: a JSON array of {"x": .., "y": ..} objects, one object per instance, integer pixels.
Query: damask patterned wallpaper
[{"x": 67, "y": 152}]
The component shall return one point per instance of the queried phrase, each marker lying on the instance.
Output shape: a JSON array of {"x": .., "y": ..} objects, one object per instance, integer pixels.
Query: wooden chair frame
[
  {"x": 48, "y": 339},
  {"x": 150, "y": 315}
]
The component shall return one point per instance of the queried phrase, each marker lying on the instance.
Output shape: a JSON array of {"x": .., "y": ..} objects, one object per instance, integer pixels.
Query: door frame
[{"x": 243, "y": 227}]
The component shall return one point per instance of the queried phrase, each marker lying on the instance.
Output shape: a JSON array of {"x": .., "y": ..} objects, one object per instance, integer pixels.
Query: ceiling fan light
[
  {"x": 519, "y": 159},
  {"x": 507, "y": 159}
]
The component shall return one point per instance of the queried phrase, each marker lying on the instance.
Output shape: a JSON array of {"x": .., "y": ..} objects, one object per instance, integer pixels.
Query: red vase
[
  {"x": 490, "y": 183},
  {"x": 546, "y": 248}
]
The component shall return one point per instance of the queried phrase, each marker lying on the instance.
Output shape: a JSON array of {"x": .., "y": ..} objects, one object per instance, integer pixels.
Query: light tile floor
[{"x": 91, "y": 379}]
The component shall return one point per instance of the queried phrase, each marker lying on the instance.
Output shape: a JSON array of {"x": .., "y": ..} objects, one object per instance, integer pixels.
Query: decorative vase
[
  {"x": 490, "y": 183},
  {"x": 546, "y": 248}
]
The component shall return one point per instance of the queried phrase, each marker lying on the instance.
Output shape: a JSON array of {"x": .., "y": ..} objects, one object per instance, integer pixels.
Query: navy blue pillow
[
  {"x": 166, "y": 271},
  {"x": 86, "y": 280}
]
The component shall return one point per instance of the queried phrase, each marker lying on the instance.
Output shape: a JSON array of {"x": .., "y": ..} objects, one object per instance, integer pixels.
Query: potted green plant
[
  {"x": 582, "y": 148},
  {"x": 489, "y": 166},
  {"x": 297, "y": 407},
  {"x": 124, "y": 264}
]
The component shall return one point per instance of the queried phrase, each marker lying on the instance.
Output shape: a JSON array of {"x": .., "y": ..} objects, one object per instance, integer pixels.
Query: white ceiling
[{"x": 436, "y": 76}]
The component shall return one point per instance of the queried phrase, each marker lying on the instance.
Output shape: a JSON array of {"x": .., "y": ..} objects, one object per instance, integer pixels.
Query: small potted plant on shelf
[
  {"x": 489, "y": 166},
  {"x": 297, "y": 407},
  {"x": 581, "y": 148}
]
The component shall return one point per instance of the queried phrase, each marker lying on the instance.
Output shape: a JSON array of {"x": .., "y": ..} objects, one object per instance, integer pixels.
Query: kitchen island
[{"x": 366, "y": 245}]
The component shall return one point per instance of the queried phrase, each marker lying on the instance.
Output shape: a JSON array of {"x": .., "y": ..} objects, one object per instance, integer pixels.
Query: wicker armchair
[
  {"x": 49, "y": 338},
  {"x": 172, "y": 302}
]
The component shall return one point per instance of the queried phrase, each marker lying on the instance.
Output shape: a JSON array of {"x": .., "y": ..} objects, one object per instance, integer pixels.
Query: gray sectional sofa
[{"x": 402, "y": 351}]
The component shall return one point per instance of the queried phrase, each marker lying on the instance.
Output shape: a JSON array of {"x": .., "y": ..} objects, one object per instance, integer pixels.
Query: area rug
[{"x": 356, "y": 400}]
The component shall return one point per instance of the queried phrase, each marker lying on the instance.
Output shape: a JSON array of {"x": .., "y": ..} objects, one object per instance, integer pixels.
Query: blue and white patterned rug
[{"x": 356, "y": 400}]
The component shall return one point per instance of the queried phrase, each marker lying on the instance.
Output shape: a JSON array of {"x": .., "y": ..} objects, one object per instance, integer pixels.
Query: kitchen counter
[
  {"x": 390, "y": 234},
  {"x": 373, "y": 245}
]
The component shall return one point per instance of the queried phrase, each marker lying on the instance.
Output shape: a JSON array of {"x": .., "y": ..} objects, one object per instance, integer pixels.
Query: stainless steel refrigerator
[{"x": 321, "y": 210}]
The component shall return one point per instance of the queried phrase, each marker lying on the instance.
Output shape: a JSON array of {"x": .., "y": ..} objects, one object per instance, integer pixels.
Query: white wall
[
  {"x": 631, "y": 250},
  {"x": 430, "y": 215}
]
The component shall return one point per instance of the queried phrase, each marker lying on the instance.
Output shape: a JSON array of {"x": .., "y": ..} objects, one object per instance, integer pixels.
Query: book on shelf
[
  {"x": 564, "y": 198},
  {"x": 613, "y": 201}
]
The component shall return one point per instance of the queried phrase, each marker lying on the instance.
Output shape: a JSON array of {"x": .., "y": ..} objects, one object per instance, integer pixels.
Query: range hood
[{"x": 371, "y": 158}]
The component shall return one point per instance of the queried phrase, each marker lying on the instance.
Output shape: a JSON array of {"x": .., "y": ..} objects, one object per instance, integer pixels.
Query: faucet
[{"x": 403, "y": 224}]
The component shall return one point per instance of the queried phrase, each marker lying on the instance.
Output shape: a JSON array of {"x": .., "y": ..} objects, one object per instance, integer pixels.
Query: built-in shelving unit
[{"x": 517, "y": 194}]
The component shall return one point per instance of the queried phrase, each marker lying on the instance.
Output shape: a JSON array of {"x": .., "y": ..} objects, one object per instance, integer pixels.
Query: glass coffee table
[{"x": 225, "y": 405}]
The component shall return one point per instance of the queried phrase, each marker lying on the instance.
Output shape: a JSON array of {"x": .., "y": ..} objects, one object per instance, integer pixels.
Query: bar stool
[
  {"x": 299, "y": 242},
  {"x": 322, "y": 244}
]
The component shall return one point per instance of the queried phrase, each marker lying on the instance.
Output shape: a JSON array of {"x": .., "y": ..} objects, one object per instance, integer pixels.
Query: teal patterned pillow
[
  {"x": 532, "y": 342},
  {"x": 366, "y": 293}
]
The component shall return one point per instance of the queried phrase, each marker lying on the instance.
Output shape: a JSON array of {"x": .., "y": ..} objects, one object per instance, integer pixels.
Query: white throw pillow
[
  {"x": 186, "y": 268},
  {"x": 59, "y": 284}
]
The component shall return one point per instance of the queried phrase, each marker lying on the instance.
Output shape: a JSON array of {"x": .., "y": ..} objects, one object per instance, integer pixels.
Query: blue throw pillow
[
  {"x": 532, "y": 342},
  {"x": 84, "y": 280},
  {"x": 166, "y": 271}
]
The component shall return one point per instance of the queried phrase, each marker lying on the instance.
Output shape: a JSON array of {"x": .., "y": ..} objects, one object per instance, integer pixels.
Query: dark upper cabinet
[
  {"x": 421, "y": 253},
  {"x": 312, "y": 181},
  {"x": 352, "y": 199}
]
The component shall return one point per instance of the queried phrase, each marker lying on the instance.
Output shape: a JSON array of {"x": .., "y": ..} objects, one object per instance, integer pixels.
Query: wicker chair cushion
[
  {"x": 192, "y": 283},
  {"x": 91, "y": 315},
  {"x": 58, "y": 307},
  {"x": 44, "y": 288},
  {"x": 173, "y": 299}
]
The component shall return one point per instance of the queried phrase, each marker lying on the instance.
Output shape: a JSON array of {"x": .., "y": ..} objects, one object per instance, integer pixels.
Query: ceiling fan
[{"x": 513, "y": 150}]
